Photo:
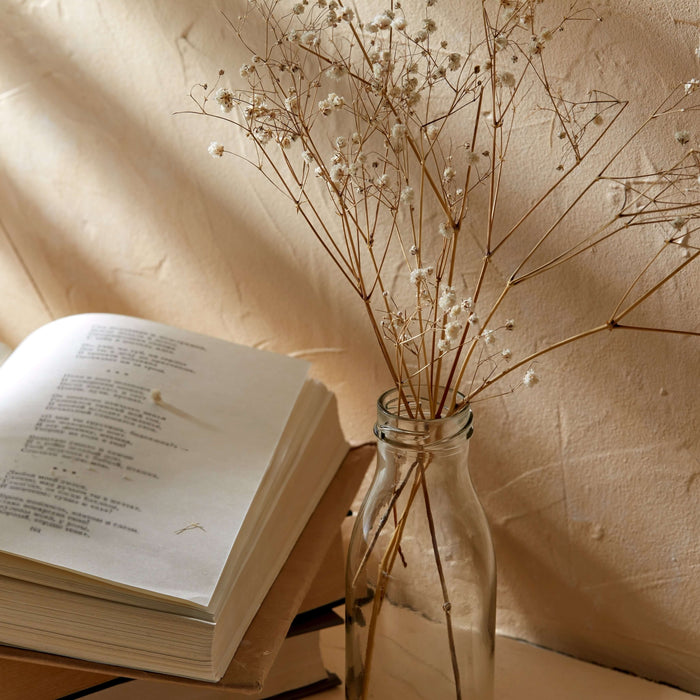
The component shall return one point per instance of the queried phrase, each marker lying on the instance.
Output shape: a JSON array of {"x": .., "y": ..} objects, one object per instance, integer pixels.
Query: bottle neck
[{"x": 405, "y": 427}]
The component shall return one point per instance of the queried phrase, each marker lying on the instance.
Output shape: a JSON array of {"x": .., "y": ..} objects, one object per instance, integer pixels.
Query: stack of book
[{"x": 154, "y": 484}]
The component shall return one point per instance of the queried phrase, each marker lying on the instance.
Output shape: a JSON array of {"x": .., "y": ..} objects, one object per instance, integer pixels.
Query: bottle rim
[{"x": 401, "y": 430}]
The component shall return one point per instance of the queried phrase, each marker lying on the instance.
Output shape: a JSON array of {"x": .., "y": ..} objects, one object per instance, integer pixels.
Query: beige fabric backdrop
[{"x": 110, "y": 203}]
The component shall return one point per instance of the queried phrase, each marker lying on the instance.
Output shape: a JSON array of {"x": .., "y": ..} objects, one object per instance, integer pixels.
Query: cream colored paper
[{"x": 144, "y": 512}]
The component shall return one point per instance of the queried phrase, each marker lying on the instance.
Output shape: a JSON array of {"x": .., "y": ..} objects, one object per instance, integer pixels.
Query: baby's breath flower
[
  {"x": 298, "y": 9},
  {"x": 506, "y": 354},
  {"x": 488, "y": 336},
  {"x": 383, "y": 21},
  {"x": 429, "y": 25},
  {"x": 448, "y": 298},
  {"x": 224, "y": 98},
  {"x": 382, "y": 180},
  {"x": 510, "y": 324},
  {"x": 341, "y": 142},
  {"x": 336, "y": 71},
  {"x": 246, "y": 71},
  {"x": 432, "y": 131},
  {"x": 546, "y": 35},
  {"x": 338, "y": 173},
  {"x": 448, "y": 174},
  {"x": 331, "y": 102},
  {"x": 420, "y": 274},
  {"x": 308, "y": 157},
  {"x": 454, "y": 61},
  {"x": 444, "y": 345},
  {"x": 682, "y": 137},
  {"x": 216, "y": 150},
  {"x": 446, "y": 230},
  {"x": 407, "y": 195},
  {"x": 372, "y": 27},
  {"x": 420, "y": 36},
  {"x": 398, "y": 23},
  {"x": 691, "y": 86},
  {"x": 413, "y": 250},
  {"x": 535, "y": 46},
  {"x": 501, "y": 41},
  {"x": 453, "y": 330},
  {"x": 530, "y": 378},
  {"x": 347, "y": 15},
  {"x": 291, "y": 102},
  {"x": 309, "y": 38},
  {"x": 398, "y": 132},
  {"x": 505, "y": 78}
]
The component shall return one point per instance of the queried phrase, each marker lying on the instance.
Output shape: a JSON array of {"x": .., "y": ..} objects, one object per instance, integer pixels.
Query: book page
[{"x": 131, "y": 451}]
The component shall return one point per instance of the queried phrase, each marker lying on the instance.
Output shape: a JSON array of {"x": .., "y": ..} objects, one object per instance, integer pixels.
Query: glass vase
[{"x": 421, "y": 574}]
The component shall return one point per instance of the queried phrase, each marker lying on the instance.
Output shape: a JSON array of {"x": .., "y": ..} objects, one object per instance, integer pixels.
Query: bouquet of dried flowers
[
  {"x": 405, "y": 138},
  {"x": 392, "y": 140}
]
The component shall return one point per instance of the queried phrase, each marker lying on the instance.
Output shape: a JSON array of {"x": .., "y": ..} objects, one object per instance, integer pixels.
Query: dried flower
[
  {"x": 446, "y": 229},
  {"x": 454, "y": 61},
  {"x": 444, "y": 345},
  {"x": 216, "y": 150},
  {"x": 224, "y": 98},
  {"x": 530, "y": 378},
  {"x": 453, "y": 330},
  {"x": 338, "y": 173},
  {"x": 383, "y": 21},
  {"x": 682, "y": 137},
  {"x": 432, "y": 131},
  {"x": 337, "y": 71},
  {"x": 448, "y": 298},
  {"x": 420, "y": 274},
  {"x": 505, "y": 78},
  {"x": 691, "y": 86},
  {"x": 407, "y": 195},
  {"x": 332, "y": 102}
]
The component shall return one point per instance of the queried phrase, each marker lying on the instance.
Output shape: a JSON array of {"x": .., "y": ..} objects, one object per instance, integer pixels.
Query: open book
[{"x": 152, "y": 484}]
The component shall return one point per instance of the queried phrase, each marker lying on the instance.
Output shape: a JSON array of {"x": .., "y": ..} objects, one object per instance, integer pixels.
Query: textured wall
[{"x": 108, "y": 202}]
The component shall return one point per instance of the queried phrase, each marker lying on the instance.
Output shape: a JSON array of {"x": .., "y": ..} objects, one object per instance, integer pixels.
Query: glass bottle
[{"x": 421, "y": 574}]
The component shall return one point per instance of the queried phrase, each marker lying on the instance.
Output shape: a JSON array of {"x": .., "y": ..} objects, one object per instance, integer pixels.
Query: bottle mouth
[{"x": 395, "y": 426}]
